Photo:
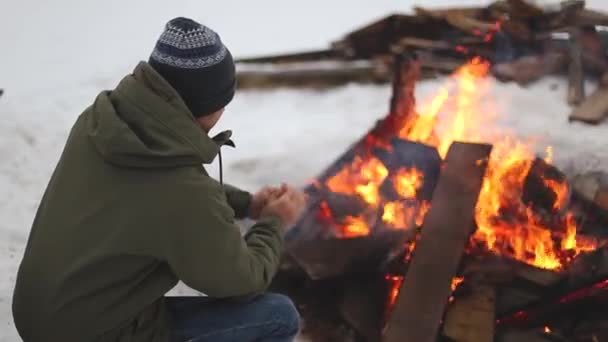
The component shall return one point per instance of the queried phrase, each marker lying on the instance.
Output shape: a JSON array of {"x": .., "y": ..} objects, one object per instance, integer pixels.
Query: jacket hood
[{"x": 145, "y": 123}]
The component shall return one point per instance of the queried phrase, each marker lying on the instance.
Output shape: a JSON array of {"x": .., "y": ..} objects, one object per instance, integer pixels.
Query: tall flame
[
  {"x": 362, "y": 178},
  {"x": 505, "y": 224}
]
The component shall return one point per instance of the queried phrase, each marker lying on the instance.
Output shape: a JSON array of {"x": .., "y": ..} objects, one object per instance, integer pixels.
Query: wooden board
[
  {"x": 445, "y": 233},
  {"x": 471, "y": 318},
  {"x": 318, "y": 75},
  {"x": 594, "y": 109}
]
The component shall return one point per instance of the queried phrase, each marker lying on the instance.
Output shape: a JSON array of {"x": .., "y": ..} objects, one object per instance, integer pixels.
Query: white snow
[{"x": 55, "y": 56}]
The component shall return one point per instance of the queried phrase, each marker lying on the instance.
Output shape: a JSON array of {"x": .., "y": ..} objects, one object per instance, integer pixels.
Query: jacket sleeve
[
  {"x": 239, "y": 200},
  {"x": 208, "y": 253}
]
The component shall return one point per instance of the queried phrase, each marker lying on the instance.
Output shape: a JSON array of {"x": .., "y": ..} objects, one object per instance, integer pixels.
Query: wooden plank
[
  {"x": 445, "y": 233},
  {"x": 594, "y": 109},
  {"x": 313, "y": 74},
  {"x": 308, "y": 56},
  {"x": 576, "y": 75},
  {"x": 471, "y": 318}
]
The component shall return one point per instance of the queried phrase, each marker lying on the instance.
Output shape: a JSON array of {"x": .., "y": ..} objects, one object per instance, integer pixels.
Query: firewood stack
[{"x": 523, "y": 41}]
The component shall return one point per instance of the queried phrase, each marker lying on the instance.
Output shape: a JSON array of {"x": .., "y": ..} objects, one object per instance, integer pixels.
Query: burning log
[
  {"x": 587, "y": 277},
  {"x": 420, "y": 305},
  {"x": 594, "y": 109},
  {"x": 545, "y": 188}
]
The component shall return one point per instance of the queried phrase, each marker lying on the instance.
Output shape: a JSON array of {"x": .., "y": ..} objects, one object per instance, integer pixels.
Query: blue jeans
[{"x": 268, "y": 317}]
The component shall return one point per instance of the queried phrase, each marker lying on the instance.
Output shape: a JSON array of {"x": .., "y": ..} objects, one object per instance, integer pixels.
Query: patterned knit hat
[{"x": 192, "y": 58}]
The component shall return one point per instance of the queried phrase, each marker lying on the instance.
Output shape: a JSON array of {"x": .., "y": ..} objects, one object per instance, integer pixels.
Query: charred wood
[
  {"x": 363, "y": 306},
  {"x": 326, "y": 258}
]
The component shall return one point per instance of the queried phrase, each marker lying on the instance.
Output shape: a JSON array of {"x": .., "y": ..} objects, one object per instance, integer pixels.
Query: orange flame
[
  {"x": 464, "y": 118},
  {"x": 560, "y": 190},
  {"x": 398, "y": 215},
  {"x": 362, "y": 177},
  {"x": 395, "y": 283},
  {"x": 424, "y": 208},
  {"x": 408, "y": 182},
  {"x": 456, "y": 281},
  {"x": 354, "y": 227},
  {"x": 505, "y": 225}
]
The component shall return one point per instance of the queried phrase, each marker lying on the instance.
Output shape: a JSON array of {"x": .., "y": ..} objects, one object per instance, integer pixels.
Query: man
[{"x": 130, "y": 210}]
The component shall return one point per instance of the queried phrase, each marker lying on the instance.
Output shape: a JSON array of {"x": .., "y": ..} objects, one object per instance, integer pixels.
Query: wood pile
[
  {"x": 523, "y": 42},
  {"x": 399, "y": 284}
]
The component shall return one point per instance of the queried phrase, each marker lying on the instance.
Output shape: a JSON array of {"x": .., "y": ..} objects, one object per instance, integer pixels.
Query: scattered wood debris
[
  {"x": 594, "y": 109},
  {"x": 523, "y": 42}
]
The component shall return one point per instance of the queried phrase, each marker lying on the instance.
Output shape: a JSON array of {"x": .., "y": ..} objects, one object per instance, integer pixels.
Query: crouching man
[{"x": 130, "y": 210}]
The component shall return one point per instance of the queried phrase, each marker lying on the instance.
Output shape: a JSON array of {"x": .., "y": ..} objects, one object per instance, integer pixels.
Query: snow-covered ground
[{"x": 57, "y": 55}]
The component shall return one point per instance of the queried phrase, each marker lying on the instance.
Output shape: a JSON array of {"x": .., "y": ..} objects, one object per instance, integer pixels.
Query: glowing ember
[
  {"x": 362, "y": 177},
  {"x": 547, "y": 330},
  {"x": 408, "y": 182},
  {"x": 455, "y": 282},
  {"x": 395, "y": 283},
  {"x": 398, "y": 214},
  {"x": 424, "y": 208},
  {"x": 560, "y": 190},
  {"x": 354, "y": 227}
]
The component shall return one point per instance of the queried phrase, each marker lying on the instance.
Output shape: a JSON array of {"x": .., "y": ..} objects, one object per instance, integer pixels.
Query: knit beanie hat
[{"x": 192, "y": 58}]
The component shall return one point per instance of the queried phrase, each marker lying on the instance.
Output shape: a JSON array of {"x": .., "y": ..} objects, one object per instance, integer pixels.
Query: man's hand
[
  {"x": 259, "y": 201},
  {"x": 286, "y": 203}
]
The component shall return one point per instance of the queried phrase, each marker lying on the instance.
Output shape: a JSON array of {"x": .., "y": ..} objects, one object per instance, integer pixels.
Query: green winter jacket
[{"x": 128, "y": 211}]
